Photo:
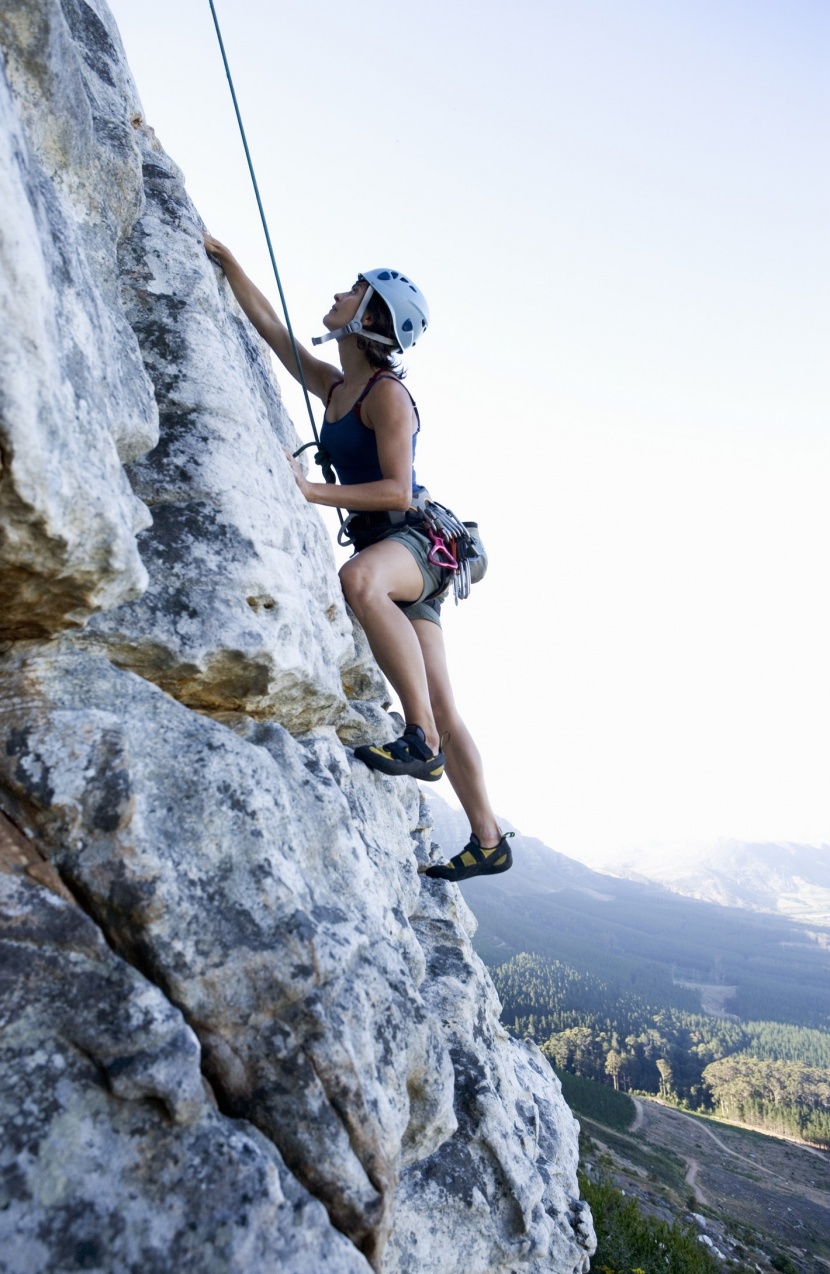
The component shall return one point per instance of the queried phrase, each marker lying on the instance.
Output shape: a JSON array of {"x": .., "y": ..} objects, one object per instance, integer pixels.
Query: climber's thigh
[{"x": 387, "y": 569}]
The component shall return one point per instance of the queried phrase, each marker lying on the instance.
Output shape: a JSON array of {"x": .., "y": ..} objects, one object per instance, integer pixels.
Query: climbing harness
[
  {"x": 455, "y": 546},
  {"x": 322, "y": 457}
]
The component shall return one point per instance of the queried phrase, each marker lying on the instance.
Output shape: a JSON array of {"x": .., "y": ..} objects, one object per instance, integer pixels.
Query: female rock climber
[{"x": 369, "y": 430}]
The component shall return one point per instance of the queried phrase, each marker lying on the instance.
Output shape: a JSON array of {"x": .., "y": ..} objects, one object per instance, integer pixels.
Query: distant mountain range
[
  {"x": 781, "y": 879},
  {"x": 733, "y": 930},
  {"x": 784, "y": 879}
]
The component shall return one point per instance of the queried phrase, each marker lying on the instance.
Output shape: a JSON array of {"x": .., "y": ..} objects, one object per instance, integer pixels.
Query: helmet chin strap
[{"x": 355, "y": 327}]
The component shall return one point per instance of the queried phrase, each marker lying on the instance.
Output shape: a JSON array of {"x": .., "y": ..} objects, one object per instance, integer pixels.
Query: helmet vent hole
[
  {"x": 384, "y": 274},
  {"x": 407, "y": 325}
]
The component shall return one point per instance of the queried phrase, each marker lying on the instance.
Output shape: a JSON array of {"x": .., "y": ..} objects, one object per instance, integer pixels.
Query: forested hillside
[
  {"x": 647, "y": 939},
  {"x": 628, "y": 984},
  {"x": 653, "y": 1038}
]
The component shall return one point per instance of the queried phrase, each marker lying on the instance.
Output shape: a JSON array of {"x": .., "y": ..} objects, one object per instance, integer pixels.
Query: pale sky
[{"x": 619, "y": 214}]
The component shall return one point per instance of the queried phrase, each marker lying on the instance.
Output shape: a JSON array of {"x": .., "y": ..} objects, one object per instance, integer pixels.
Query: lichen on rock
[
  {"x": 114, "y": 1156},
  {"x": 240, "y": 1031}
]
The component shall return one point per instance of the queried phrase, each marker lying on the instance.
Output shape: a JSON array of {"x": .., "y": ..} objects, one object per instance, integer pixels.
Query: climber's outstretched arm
[{"x": 319, "y": 375}]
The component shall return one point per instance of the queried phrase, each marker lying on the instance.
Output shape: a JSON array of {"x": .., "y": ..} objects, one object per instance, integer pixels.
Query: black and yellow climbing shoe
[
  {"x": 407, "y": 755},
  {"x": 475, "y": 860}
]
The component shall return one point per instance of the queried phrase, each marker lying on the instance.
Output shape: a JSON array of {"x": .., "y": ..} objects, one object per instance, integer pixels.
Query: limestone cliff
[{"x": 239, "y": 1032}]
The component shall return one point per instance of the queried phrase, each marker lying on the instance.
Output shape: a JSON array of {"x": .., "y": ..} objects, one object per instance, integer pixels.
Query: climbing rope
[{"x": 322, "y": 456}]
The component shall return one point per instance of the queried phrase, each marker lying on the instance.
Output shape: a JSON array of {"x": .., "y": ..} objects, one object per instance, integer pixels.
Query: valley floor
[{"x": 762, "y": 1199}]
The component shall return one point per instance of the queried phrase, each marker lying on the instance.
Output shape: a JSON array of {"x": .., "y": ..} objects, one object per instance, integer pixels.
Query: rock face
[
  {"x": 74, "y": 397},
  {"x": 240, "y": 1032},
  {"x": 105, "y": 1118}
]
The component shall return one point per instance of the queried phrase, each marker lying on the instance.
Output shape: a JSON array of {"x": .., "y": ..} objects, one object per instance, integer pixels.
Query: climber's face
[{"x": 346, "y": 305}]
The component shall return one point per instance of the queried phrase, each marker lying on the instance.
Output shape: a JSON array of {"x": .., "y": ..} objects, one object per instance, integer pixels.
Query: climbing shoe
[
  {"x": 407, "y": 755},
  {"x": 475, "y": 860}
]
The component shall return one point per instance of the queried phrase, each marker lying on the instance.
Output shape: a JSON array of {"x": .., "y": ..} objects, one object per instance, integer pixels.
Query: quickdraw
[{"x": 456, "y": 545}]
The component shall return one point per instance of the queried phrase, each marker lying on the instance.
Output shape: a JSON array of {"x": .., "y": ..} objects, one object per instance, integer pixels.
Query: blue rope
[{"x": 321, "y": 457}]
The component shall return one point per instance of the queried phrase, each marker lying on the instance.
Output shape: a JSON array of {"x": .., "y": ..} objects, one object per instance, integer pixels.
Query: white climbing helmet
[{"x": 406, "y": 303}]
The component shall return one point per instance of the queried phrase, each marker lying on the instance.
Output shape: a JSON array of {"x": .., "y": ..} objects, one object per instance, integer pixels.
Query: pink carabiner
[{"x": 438, "y": 551}]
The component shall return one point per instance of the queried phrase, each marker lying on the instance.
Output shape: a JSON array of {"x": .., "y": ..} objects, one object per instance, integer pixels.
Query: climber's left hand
[{"x": 299, "y": 477}]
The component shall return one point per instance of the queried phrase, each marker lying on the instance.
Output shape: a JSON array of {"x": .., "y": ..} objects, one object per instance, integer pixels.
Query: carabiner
[{"x": 440, "y": 551}]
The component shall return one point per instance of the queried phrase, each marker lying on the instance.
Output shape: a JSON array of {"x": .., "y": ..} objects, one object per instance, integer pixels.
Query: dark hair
[{"x": 381, "y": 357}]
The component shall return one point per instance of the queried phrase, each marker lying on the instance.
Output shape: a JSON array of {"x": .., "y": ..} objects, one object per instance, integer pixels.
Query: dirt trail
[
  {"x": 692, "y": 1165},
  {"x": 744, "y": 1184},
  {"x": 691, "y": 1181},
  {"x": 815, "y": 1196}
]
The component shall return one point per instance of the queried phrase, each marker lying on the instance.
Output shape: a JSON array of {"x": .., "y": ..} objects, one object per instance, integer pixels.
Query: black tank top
[{"x": 352, "y": 445}]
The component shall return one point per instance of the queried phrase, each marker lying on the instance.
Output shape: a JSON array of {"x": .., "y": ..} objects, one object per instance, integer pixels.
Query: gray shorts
[{"x": 435, "y": 578}]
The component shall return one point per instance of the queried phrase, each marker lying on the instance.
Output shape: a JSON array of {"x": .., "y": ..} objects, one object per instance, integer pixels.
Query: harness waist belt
[{"x": 370, "y": 521}]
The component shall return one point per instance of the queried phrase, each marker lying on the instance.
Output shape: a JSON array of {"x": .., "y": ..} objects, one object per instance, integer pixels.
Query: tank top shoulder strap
[
  {"x": 331, "y": 391},
  {"x": 370, "y": 384},
  {"x": 372, "y": 381}
]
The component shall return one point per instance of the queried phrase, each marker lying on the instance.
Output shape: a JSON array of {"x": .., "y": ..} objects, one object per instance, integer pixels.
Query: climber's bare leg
[
  {"x": 373, "y": 581},
  {"x": 464, "y": 767}
]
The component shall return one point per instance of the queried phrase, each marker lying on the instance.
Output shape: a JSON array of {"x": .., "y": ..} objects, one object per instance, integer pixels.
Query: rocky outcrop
[
  {"x": 74, "y": 397},
  {"x": 243, "y": 610},
  {"x": 240, "y": 1032},
  {"x": 114, "y": 1155}
]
